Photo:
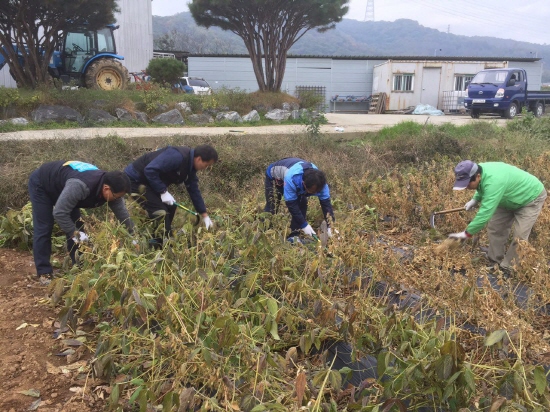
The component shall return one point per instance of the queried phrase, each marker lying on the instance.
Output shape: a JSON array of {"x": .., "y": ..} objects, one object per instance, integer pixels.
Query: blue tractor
[{"x": 89, "y": 58}]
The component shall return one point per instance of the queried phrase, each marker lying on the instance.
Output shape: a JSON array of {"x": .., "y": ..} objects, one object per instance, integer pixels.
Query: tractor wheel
[{"x": 106, "y": 74}]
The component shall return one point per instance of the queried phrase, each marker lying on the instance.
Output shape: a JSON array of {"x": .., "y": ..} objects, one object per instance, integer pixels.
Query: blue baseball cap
[{"x": 464, "y": 171}]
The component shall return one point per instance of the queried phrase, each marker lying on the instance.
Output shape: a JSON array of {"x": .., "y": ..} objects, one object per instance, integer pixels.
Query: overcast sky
[{"x": 523, "y": 20}]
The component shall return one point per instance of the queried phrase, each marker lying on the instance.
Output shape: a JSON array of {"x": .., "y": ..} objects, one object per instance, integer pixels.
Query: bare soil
[{"x": 30, "y": 348}]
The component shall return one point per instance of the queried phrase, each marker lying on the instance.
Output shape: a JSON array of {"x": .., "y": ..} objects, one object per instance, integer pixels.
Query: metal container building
[{"x": 439, "y": 83}]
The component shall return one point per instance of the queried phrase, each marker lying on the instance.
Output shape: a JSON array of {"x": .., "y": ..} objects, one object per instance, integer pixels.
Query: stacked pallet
[{"x": 378, "y": 103}]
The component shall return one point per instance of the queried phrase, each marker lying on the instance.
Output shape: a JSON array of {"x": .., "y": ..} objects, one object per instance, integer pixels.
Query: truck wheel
[
  {"x": 538, "y": 109},
  {"x": 475, "y": 113},
  {"x": 106, "y": 74},
  {"x": 512, "y": 111}
]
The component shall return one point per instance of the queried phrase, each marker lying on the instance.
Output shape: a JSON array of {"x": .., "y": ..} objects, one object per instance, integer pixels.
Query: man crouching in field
[
  {"x": 58, "y": 190},
  {"x": 511, "y": 199}
]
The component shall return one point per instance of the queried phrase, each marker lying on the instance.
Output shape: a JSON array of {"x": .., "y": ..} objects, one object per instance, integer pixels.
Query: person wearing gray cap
[{"x": 510, "y": 200}]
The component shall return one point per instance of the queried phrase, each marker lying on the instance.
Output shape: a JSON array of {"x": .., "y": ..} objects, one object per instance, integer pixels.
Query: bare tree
[
  {"x": 269, "y": 28},
  {"x": 29, "y": 32}
]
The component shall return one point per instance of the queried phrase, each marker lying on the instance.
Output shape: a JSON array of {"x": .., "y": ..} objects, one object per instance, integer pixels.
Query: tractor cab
[
  {"x": 90, "y": 58},
  {"x": 80, "y": 47}
]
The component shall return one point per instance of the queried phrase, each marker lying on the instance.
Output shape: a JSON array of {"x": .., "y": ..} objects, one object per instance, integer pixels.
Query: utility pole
[{"x": 369, "y": 12}]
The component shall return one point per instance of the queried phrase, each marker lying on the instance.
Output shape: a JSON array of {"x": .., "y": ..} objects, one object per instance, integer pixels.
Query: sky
[{"x": 522, "y": 20}]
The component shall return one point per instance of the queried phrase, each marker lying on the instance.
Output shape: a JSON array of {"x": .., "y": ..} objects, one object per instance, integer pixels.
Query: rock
[
  {"x": 201, "y": 118},
  {"x": 98, "y": 115},
  {"x": 277, "y": 115},
  {"x": 295, "y": 114},
  {"x": 230, "y": 116},
  {"x": 53, "y": 113},
  {"x": 184, "y": 107},
  {"x": 253, "y": 116},
  {"x": 171, "y": 117},
  {"x": 286, "y": 106},
  {"x": 141, "y": 117},
  {"x": 123, "y": 114}
]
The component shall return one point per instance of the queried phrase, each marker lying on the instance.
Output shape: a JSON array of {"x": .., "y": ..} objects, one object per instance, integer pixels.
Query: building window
[
  {"x": 461, "y": 80},
  {"x": 403, "y": 82}
]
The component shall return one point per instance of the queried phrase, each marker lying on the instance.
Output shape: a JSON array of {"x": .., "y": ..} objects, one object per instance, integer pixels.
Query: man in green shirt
[{"x": 510, "y": 199}]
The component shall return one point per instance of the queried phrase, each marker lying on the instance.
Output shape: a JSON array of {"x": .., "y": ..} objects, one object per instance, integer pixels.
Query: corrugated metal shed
[{"x": 134, "y": 38}]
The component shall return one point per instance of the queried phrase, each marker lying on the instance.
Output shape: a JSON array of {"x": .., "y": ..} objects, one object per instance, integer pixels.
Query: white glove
[
  {"x": 135, "y": 242},
  {"x": 167, "y": 198},
  {"x": 207, "y": 222},
  {"x": 329, "y": 232},
  {"x": 460, "y": 235},
  {"x": 308, "y": 230},
  {"x": 80, "y": 237},
  {"x": 470, "y": 205}
]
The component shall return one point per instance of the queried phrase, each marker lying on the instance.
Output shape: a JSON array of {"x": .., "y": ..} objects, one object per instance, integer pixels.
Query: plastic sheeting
[{"x": 427, "y": 109}]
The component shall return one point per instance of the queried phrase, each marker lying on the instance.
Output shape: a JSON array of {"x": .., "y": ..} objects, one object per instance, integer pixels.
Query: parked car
[{"x": 197, "y": 84}]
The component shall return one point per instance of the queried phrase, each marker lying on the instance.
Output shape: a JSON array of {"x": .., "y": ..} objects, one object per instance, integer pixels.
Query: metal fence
[
  {"x": 315, "y": 90},
  {"x": 453, "y": 101}
]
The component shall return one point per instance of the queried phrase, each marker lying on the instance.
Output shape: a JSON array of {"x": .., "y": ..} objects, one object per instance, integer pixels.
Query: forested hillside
[{"x": 349, "y": 38}]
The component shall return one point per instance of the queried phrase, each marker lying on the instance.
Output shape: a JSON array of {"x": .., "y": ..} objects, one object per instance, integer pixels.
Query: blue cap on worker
[{"x": 463, "y": 173}]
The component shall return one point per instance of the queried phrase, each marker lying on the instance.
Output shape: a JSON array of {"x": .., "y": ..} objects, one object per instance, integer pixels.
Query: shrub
[{"x": 165, "y": 71}]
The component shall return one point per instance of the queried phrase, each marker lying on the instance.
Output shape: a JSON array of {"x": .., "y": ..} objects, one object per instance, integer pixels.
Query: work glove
[
  {"x": 308, "y": 230},
  {"x": 80, "y": 237},
  {"x": 207, "y": 222},
  {"x": 167, "y": 198},
  {"x": 329, "y": 232},
  {"x": 460, "y": 235},
  {"x": 470, "y": 205}
]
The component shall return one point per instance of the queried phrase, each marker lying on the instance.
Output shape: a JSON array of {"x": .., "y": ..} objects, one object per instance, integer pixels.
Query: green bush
[
  {"x": 165, "y": 71},
  {"x": 8, "y": 97}
]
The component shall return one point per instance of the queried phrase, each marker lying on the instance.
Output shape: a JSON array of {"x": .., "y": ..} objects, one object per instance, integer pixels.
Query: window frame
[
  {"x": 463, "y": 79},
  {"x": 404, "y": 81}
]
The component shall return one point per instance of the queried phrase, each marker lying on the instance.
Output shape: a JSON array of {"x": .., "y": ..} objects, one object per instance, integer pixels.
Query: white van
[{"x": 198, "y": 84}]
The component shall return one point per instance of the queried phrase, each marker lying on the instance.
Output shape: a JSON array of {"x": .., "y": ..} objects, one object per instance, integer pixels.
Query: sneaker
[{"x": 45, "y": 278}]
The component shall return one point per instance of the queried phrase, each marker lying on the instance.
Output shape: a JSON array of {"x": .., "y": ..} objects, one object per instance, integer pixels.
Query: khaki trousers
[{"x": 520, "y": 221}]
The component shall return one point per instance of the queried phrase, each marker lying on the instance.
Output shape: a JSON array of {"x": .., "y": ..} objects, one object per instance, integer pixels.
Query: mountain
[{"x": 349, "y": 38}]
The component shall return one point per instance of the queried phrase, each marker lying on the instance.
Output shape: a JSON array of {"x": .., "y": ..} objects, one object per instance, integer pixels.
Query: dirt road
[{"x": 351, "y": 123}]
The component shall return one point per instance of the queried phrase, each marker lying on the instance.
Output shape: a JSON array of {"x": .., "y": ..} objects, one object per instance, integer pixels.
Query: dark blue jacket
[
  {"x": 166, "y": 166},
  {"x": 54, "y": 175}
]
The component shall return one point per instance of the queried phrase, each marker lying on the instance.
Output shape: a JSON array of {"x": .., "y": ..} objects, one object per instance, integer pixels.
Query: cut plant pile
[{"x": 239, "y": 319}]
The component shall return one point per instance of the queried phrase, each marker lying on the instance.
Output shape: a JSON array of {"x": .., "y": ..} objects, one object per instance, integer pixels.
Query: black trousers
[
  {"x": 151, "y": 202},
  {"x": 43, "y": 221},
  {"x": 274, "y": 190}
]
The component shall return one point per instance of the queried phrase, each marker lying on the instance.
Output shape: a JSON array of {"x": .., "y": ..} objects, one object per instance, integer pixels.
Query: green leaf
[
  {"x": 335, "y": 379},
  {"x": 272, "y": 306},
  {"x": 136, "y": 394},
  {"x": 115, "y": 393},
  {"x": 495, "y": 337},
  {"x": 258, "y": 408},
  {"x": 274, "y": 330},
  {"x": 540, "y": 379}
]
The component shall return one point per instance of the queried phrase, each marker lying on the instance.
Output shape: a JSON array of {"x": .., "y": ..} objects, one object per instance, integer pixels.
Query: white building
[
  {"x": 346, "y": 81},
  {"x": 134, "y": 38}
]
